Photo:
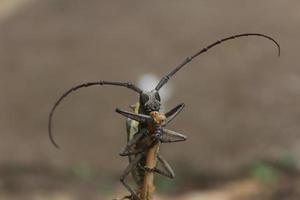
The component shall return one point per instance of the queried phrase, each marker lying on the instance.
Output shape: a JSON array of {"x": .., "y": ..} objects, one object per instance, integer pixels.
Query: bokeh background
[{"x": 242, "y": 101}]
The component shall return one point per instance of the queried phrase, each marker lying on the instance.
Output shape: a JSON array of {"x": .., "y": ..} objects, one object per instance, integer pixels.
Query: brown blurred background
[{"x": 242, "y": 102}]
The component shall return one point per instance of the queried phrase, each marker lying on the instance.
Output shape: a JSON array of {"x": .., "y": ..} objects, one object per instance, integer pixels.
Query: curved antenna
[
  {"x": 123, "y": 84},
  {"x": 166, "y": 78}
]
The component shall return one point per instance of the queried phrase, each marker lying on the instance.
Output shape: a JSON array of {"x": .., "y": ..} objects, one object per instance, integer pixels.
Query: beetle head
[{"x": 150, "y": 101}]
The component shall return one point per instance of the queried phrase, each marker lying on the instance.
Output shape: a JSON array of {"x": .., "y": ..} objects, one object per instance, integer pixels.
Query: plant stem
[{"x": 148, "y": 186}]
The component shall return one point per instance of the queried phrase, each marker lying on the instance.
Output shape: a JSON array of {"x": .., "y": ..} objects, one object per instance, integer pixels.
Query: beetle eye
[{"x": 144, "y": 98}]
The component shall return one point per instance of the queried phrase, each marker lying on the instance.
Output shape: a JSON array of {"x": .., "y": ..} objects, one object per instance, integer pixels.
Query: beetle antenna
[
  {"x": 166, "y": 78},
  {"x": 123, "y": 84}
]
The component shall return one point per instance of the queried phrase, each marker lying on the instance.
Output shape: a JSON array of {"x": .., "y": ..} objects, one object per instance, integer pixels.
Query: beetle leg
[
  {"x": 173, "y": 113},
  {"x": 125, "y": 197},
  {"x": 128, "y": 169},
  {"x": 137, "y": 151},
  {"x": 135, "y": 116},
  {"x": 169, "y": 136},
  {"x": 166, "y": 171},
  {"x": 129, "y": 148}
]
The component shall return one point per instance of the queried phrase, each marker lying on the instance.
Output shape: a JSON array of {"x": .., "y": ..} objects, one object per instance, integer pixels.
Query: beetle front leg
[
  {"x": 135, "y": 116},
  {"x": 173, "y": 113}
]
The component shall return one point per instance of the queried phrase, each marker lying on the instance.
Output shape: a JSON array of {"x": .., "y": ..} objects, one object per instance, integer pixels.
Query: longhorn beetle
[{"x": 144, "y": 127}]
